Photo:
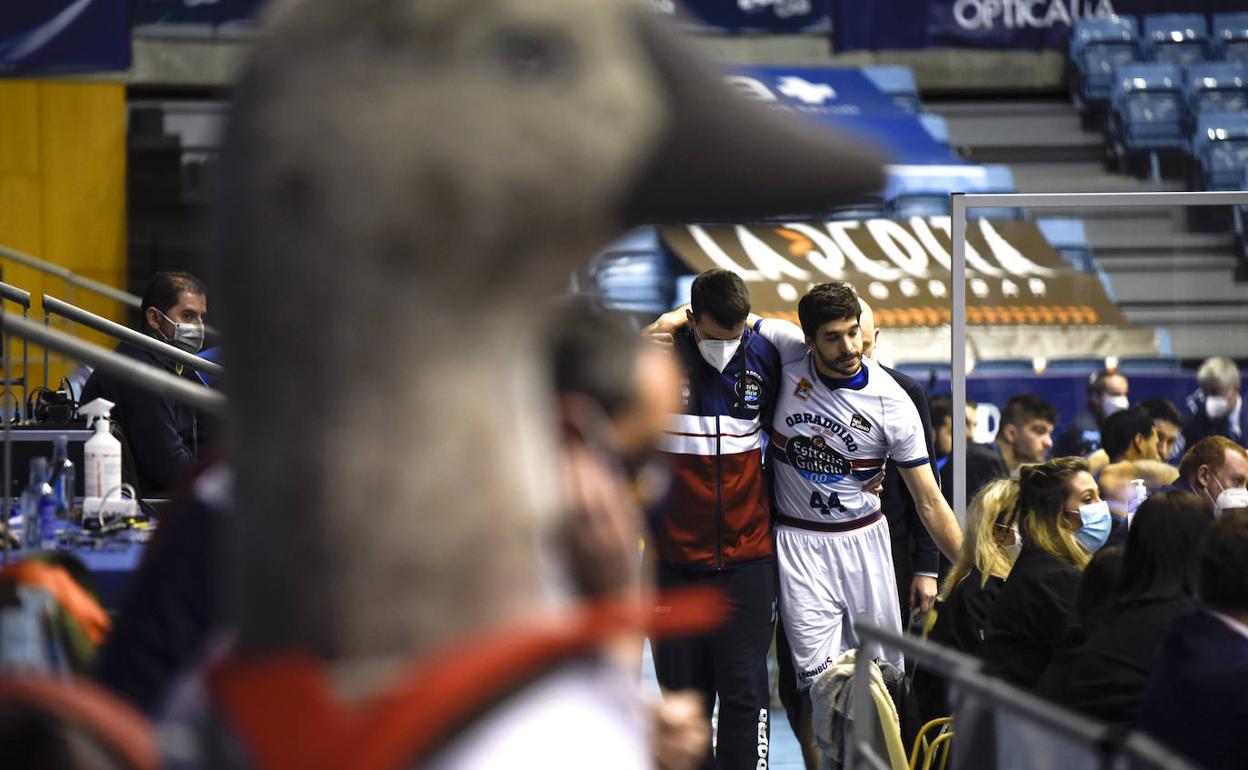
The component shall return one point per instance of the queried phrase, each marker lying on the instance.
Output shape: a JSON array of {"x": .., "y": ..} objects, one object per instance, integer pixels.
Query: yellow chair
[
  {"x": 921, "y": 742},
  {"x": 941, "y": 744}
]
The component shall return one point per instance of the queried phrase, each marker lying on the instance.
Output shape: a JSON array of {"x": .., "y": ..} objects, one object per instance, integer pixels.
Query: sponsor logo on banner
[
  {"x": 986, "y": 15},
  {"x": 1014, "y": 277}
]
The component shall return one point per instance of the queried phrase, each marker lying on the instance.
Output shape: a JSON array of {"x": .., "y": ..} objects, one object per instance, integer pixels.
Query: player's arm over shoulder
[{"x": 787, "y": 337}]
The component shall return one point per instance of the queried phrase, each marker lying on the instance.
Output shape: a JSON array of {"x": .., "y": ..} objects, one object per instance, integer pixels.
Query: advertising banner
[
  {"x": 1015, "y": 278},
  {"x": 777, "y": 16},
  {"x": 848, "y": 100},
  {"x": 993, "y": 24},
  {"x": 208, "y": 12},
  {"x": 53, "y": 36}
]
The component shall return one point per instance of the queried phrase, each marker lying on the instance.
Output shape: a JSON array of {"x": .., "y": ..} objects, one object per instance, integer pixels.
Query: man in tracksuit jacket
[{"x": 715, "y": 524}]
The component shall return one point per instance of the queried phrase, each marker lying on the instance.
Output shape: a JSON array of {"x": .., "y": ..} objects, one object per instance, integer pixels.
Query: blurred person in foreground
[
  {"x": 1216, "y": 406},
  {"x": 991, "y": 544},
  {"x": 430, "y": 473},
  {"x": 983, "y": 463},
  {"x": 1026, "y": 432},
  {"x": 1216, "y": 469},
  {"x": 1106, "y": 395},
  {"x": 1105, "y": 675},
  {"x": 163, "y": 435},
  {"x": 1196, "y": 701},
  {"x": 1062, "y": 521},
  {"x": 615, "y": 394}
]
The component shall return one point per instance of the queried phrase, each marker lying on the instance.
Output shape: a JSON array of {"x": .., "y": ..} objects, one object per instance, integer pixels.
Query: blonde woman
[
  {"x": 989, "y": 548},
  {"x": 1062, "y": 520}
]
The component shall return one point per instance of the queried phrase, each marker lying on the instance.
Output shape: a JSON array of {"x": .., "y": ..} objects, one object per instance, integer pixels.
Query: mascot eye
[{"x": 532, "y": 53}]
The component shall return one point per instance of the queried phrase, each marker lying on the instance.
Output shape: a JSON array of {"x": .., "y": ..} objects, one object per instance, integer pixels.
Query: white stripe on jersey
[
  {"x": 692, "y": 434},
  {"x": 829, "y": 433}
]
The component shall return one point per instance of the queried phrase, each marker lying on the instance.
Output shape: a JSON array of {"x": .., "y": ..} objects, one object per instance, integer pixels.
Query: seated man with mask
[{"x": 163, "y": 435}]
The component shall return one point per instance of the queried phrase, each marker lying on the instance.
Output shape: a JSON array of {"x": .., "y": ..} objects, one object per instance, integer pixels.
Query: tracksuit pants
[{"x": 731, "y": 662}]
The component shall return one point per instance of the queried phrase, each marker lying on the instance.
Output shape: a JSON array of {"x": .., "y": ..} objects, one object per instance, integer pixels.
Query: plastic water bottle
[
  {"x": 63, "y": 478},
  {"x": 38, "y": 508},
  {"x": 1137, "y": 493}
]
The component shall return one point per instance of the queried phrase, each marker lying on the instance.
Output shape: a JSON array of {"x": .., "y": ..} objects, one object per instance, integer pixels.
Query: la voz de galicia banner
[
  {"x": 64, "y": 36},
  {"x": 1002, "y": 24}
]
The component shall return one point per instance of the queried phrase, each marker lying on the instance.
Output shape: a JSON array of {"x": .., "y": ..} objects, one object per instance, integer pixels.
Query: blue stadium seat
[
  {"x": 1216, "y": 87},
  {"x": 1000, "y": 180},
  {"x": 897, "y": 82},
  {"x": 936, "y": 126},
  {"x": 1230, "y": 36},
  {"x": 1097, "y": 46},
  {"x": 1220, "y": 144},
  {"x": 1147, "y": 108},
  {"x": 1175, "y": 38},
  {"x": 1070, "y": 238},
  {"x": 633, "y": 274}
]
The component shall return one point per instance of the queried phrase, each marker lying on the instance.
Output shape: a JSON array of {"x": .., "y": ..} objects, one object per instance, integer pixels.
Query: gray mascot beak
[{"x": 724, "y": 157}]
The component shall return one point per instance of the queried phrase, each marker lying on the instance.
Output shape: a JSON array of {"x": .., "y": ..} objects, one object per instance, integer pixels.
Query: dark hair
[
  {"x": 1223, "y": 579},
  {"x": 1096, "y": 587},
  {"x": 1121, "y": 428},
  {"x": 939, "y": 407},
  {"x": 1096, "y": 383},
  {"x": 1163, "y": 547},
  {"x": 165, "y": 290},
  {"x": 722, "y": 295},
  {"x": 1024, "y": 408},
  {"x": 1161, "y": 409},
  {"x": 594, "y": 352},
  {"x": 827, "y": 302}
]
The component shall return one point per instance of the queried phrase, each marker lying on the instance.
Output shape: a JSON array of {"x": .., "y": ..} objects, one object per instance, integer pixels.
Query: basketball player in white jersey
[{"x": 838, "y": 417}]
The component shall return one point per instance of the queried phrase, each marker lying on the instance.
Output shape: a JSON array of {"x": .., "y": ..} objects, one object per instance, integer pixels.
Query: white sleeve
[
  {"x": 787, "y": 337},
  {"x": 904, "y": 430}
]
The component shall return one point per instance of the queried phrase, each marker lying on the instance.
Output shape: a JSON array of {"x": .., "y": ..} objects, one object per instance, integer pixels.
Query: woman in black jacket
[
  {"x": 989, "y": 548},
  {"x": 1062, "y": 520},
  {"x": 1106, "y": 675}
]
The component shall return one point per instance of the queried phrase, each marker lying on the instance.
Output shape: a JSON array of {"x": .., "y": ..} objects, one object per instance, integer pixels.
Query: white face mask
[
  {"x": 1013, "y": 549},
  {"x": 1235, "y": 497},
  {"x": 189, "y": 337},
  {"x": 1113, "y": 404},
  {"x": 718, "y": 353},
  {"x": 1217, "y": 406}
]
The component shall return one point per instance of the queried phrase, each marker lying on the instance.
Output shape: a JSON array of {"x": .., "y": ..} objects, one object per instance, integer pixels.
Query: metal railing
[
  {"x": 138, "y": 339},
  {"x": 1004, "y": 700},
  {"x": 19, "y": 297},
  {"x": 135, "y": 372},
  {"x": 960, "y": 203},
  {"x": 73, "y": 279}
]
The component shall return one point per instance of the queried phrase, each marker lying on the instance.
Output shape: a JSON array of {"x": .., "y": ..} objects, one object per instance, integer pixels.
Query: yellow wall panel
[{"x": 63, "y": 195}]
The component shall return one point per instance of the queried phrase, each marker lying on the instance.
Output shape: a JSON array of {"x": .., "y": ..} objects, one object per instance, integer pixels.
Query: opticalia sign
[{"x": 986, "y": 15}]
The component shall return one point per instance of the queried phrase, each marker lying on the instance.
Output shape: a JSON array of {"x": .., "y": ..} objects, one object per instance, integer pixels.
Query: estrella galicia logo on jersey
[
  {"x": 803, "y": 389},
  {"x": 860, "y": 422},
  {"x": 811, "y": 457},
  {"x": 750, "y": 388}
]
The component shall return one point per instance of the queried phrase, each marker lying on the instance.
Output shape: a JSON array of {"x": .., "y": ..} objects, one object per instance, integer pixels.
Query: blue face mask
[{"x": 1094, "y": 530}]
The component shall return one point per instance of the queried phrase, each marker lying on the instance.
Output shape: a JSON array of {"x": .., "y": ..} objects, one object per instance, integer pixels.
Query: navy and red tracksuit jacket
[{"x": 717, "y": 512}]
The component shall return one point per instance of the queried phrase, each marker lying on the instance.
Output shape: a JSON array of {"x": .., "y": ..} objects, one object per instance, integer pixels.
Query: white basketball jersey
[{"x": 828, "y": 437}]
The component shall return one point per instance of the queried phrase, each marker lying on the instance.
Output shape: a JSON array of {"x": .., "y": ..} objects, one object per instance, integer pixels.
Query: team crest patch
[
  {"x": 803, "y": 389},
  {"x": 860, "y": 422}
]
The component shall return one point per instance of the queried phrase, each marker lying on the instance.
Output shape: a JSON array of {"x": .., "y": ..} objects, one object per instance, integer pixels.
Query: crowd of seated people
[{"x": 1074, "y": 588}]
